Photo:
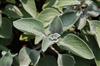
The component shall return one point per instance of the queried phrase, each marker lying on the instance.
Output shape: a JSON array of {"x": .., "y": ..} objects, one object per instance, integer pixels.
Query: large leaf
[
  {"x": 56, "y": 26},
  {"x": 13, "y": 11},
  {"x": 29, "y": 25},
  {"x": 65, "y": 60},
  {"x": 47, "y": 15},
  {"x": 61, "y": 3},
  {"x": 76, "y": 45},
  {"x": 23, "y": 57},
  {"x": 95, "y": 29},
  {"x": 30, "y": 7},
  {"x": 69, "y": 19},
  {"x": 6, "y": 60},
  {"x": 47, "y": 61},
  {"x": 6, "y": 29}
]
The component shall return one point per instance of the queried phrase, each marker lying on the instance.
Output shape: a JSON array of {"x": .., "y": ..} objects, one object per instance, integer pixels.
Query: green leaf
[
  {"x": 23, "y": 57},
  {"x": 34, "y": 56},
  {"x": 30, "y": 26},
  {"x": 13, "y": 11},
  {"x": 61, "y": 3},
  {"x": 82, "y": 22},
  {"x": 64, "y": 59},
  {"x": 6, "y": 60},
  {"x": 38, "y": 39},
  {"x": 47, "y": 15},
  {"x": 76, "y": 45},
  {"x": 56, "y": 26},
  {"x": 6, "y": 29},
  {"x": 95, "y": 29},
  {"x": 47, "y": 61},
  {"x": 46, "y": 43},
  {"x": 49, "y": 3},
  {"x": 69, "y": 19},
  {"x": 30, "y": 7},
  {"x": 96, "y": 50}
]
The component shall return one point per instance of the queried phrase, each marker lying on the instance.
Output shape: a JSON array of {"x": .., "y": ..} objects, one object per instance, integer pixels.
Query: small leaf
[
  {"x": 6, "y": 29},
  {"x": 76, "y": 45},
  {"x": 95, "y": 29},
  {"x": 34, "y": 56},
  {"x": 47, "y": 15},
  {"x": 30, "y": 7},
  {"x": 46, "y": 43},
  {"x": 64, "y": 59},
  {"x": 13, "y": 11},
  {"x": 69, "y": 19},
  {"x": 56, "y": 26},
  {"x": 6, "y": 60},
  {"x": 23, "y": 57},
  {"x": 38, "y": 39},
  {"x": 30, "y": 26},
  {"x": 47, "y": 61},
  {"x": 82, "y": 22}
]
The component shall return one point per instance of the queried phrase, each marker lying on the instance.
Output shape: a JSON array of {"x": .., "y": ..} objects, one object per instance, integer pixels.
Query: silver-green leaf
[
  {"x": 47, "y": 15},
  {"x": 65, "y": 60},
  {"x": 56, "y": 26},
  {"x": 30, "y": 26},
  {"x": 77, "y": 46},
  {"x": 30, "y": 7}
]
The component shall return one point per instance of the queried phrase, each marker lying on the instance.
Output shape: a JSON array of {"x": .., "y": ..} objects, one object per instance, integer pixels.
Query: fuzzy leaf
[
  {"x": 30, "y": 7},
  {"x": 65, "y": 60},
  {"x": 6, "y": 60},
  {"x": 13, "y": 11},
  {"x": 69, "y": 19},
  {"x": 82, "y": 22},
  {"x": 56, "y": 26},
  {"x": 76, "y": 45},
  {"x": 46, "y": 43},
  {"x": 47, "y": 15},
  {"x": 34, "y": 56},
  {"x": 38, "y": 39},
  {"x": 49, "y": 3},
  {"x": 30, "y": 26},
  {"x": 23, "y": 57},
  {"x": 6, "y": 29},
  {"x": 95, "y": 29}
]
